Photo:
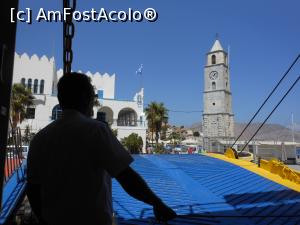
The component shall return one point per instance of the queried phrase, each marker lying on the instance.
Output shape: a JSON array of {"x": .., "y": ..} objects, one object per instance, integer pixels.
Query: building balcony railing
[{"x": 129, "y": 123}]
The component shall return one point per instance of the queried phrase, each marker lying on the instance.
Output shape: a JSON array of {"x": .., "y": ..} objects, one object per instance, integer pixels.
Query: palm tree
[
  {"x": 150, "y": 118},
  {"x": 157, "y": 116},
  {"x": 21, "y": 99}
]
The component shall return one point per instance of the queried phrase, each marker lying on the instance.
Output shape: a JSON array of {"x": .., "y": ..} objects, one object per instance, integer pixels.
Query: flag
[{"x": 140, "y": 70}]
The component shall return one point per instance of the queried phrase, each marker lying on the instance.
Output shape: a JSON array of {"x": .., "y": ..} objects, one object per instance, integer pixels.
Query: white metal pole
[{"x": 293, "y": 128}]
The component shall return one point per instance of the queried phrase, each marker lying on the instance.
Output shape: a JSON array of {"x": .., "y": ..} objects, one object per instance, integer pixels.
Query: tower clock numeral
[{"x": 213, "y": 75}]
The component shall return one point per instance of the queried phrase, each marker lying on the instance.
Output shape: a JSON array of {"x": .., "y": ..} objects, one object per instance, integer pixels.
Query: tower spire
[{"x": 217, "y": 45}]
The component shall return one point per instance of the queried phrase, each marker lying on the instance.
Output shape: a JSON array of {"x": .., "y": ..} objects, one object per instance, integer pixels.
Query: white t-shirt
[{"x": 73, "y": 159}]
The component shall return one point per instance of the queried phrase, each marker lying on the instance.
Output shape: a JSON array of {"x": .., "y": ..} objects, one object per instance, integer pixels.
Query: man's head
[{"x": 75, "y": 91}]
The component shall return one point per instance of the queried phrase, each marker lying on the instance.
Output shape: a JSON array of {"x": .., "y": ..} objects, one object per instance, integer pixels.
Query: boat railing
[{"x": 14, "y": 176}]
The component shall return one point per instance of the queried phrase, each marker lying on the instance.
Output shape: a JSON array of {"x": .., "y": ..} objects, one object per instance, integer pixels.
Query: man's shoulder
[
  {"x": 95, "y": 124},
  {"x": 98, "y": 123},
  {"x": 43, "y": 132},
  {"x": 83, "y": 124},
  {"x": 88, "y": 126}
]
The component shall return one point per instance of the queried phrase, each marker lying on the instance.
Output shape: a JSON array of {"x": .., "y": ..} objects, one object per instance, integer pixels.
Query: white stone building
[
  {"x": 218, "y": 123},
  {"x": 41, "y": 76}
]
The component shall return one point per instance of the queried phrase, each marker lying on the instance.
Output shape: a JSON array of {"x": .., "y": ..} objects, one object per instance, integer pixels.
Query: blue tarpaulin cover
[{"x": 205, "y": 190}]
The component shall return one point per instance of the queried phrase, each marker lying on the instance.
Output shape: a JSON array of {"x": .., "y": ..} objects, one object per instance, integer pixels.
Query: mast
[{"x": 293, "y": 128}]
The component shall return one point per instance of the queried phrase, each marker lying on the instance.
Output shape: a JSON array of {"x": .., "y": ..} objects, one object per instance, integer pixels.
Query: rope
[
  {"x": 262, "y": 105},
  {"x": 295, "y": 82}
]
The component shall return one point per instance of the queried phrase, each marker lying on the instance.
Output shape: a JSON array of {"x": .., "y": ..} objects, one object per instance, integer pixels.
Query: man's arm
[{"x": 136, "y": 187}]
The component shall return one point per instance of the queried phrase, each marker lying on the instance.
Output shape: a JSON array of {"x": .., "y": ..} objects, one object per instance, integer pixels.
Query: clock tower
[{"x": 218, "y": 123}]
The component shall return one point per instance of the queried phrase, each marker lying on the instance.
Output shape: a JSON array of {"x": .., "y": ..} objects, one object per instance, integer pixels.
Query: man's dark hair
[{"x": 75, "y": 91}]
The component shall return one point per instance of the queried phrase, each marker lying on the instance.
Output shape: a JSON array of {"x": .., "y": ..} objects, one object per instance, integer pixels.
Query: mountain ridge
[{"x": 268, "y": 132}]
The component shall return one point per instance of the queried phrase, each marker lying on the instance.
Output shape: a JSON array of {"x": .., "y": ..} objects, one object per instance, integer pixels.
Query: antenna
[{"x": 217, "y": 36}]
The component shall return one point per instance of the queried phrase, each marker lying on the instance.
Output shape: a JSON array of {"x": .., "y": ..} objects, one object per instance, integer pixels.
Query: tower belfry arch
[{"x": 218, "y": 122}]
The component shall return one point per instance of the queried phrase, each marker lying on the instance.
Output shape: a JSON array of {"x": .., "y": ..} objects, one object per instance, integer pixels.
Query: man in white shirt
[{"x": 72, "y": 160}]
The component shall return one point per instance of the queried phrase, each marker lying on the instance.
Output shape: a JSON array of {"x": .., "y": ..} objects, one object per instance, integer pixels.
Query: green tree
[
  {"x": 157, "y": 116},
  {"x": 133, "y": 143},
  {"x": 115, "y": 132},
  {"x": 164, "y": 129},
  {"x": 175, "y": 138},
  {"x": 21, "y": 99},
  {"x": 27, "y": 136}
]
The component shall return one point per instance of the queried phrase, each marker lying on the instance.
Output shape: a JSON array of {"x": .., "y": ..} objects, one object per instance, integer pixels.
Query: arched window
[
  {"x": 23, "y": 80},
  {"x": 42, "y": 87},
  {"x": 35, "y": 86},
  {"x": 29, "y": 84},
  {"x": 127, "y": 117},
  {"x": 213, "y": 59},
  {"x": 56, "y": 112},
  {"x": 213, "y": 85},
  {"x": 109, "y": 114}
]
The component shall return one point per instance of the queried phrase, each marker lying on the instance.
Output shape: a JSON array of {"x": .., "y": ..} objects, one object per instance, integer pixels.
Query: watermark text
[{"x": 92, "y": 15}]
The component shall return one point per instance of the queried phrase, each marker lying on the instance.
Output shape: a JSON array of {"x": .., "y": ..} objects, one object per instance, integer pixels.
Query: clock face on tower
[{"x": 213, "y": 75}]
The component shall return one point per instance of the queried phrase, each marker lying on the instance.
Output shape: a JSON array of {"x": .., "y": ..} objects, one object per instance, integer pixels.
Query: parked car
[
  {"x": 191, "y": 150},
  {"x": 168, "y": 148},
  {"x": 177, "y": 148}
]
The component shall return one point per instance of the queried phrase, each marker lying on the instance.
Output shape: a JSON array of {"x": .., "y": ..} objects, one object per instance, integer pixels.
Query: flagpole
[
  {"x": 140, "y": 72},
  {"x": 141, "y": 80},
  {"x": 141, "y": 76}
]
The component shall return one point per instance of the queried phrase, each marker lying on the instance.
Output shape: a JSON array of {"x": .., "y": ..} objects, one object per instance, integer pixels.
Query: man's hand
[
  {"x": 136, "y": 187},
  {"x": 163, "y": 213}
]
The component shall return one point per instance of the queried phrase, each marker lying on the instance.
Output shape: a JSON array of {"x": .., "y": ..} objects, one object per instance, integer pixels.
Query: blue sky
[{"x": 263, "y": 37}]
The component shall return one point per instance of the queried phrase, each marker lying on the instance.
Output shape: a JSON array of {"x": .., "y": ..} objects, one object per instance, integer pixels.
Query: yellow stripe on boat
[{"x": 264, "y": 171}]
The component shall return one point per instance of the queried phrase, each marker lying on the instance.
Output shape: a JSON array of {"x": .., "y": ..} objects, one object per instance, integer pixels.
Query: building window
[
  {"x": 100, "y": 94},
  {"x": 213, "y": 59},
  {"x": 213, "y": 85},
  {"x": 42, "y": 87},
  {"x": 214, "y": 103},
  {"x": 30, "y": 113},
  {"x": 127, "y": 117},
  {"x": 56, "y": 112},
  {"x": 139, "y": 99},
  {"x": 23, "y": 80},
  {"x": 35, "y": 86},
  {"x": 141, "y": 120},
  {"x": 29, "y": 84}
]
